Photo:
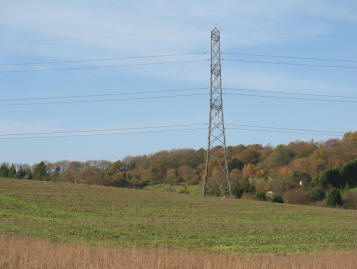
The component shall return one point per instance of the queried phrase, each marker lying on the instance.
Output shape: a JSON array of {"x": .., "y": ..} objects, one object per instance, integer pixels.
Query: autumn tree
[{"x": 281, "y": 155}]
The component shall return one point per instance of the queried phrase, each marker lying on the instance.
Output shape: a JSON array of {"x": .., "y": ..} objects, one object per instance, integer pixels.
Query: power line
[
  {"x": 104, "y": 59},
  {"x": 106, "y": 100},
  {"x": 100, "y": 66},
  {"x": 129, "y": 92},
  {"x": 172, "y": 96},
  {"x": 135, "y": 92},
  {"x": 293, "y": 93},
  {"x": 162, "y": 128},
  {"x": 292, "y": 57},
  {"x": 288, "y": 129},
  {"x": 78, "y": 38},
  {"x": 155, "y": 97},
  {"x": 114, "y": 36},
  {"x": 100, "y": 134},
  {"x": 286, "y": 132},
  {"x": 292, "y": 64},
  {"x": 292, "y": 98},
  {"x": 103, "y": 130}
]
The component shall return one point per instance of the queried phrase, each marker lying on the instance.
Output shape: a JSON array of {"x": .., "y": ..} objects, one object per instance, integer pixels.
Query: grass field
[
  {"x": 105, "y": 216},
  {"x": 17, "y": 253}
]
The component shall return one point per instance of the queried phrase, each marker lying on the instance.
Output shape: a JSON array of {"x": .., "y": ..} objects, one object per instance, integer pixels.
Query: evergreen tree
[
  {"x": 349, "y": 173},
  {"x": 20, "y": 173},
  {"x": 4, "y": 170},
  {"x": 334, "y": 198},
  {"x": 40, "y": 172},
  {"x": 12, "y": 171},
  {"x": 28, "y": 173},
  {"x": 332, "y": 177}
]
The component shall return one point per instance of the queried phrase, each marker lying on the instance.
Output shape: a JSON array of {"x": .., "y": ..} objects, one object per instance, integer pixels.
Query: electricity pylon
[{"x": 216, "y": 150}]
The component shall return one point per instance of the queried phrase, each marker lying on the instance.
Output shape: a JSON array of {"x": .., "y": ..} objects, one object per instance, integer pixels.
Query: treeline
[{"x": 300, "y": 172}]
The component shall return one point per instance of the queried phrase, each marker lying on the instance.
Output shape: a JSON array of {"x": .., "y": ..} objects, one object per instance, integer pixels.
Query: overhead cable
[
  {"x": 104, "y": 133},
  {"x": 291, "y": 93},
  {"x": 291, "y": 57},
  {"x": 286, "y": 132},
  {"x": 101, "y": 66},
  {"x": 105, "y": 100},
  {"x": 292, "y": 64},
  {"x": 104, "y": 59},
  {"x": 103, "y": 130},
  {"x": 287, "y": 129},
  {"x": 126, "y": 92},
  {"x": 291, "y": 98}
]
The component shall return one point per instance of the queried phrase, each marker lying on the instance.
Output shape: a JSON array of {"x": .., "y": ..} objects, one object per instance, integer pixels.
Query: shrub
[
  {"x": 334, "y": 198},
  {"x": 318, "y": 194},
  {"x": 349, "y": 200},
  {"x": 247, "y": 187},
  {"x": 298, "y": 196},
  {"x": 237, "y": 191},
  {"x": 260, "y": 196},
  {"x": 184, "y": 189},
  {"x": 315, "y": 181},
  {"x": 277, "y": 199},
  {"x": 215, "y": 190}
]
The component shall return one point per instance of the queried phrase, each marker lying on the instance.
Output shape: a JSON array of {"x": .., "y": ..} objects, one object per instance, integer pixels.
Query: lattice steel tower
[{"x": 216, "y": 151}]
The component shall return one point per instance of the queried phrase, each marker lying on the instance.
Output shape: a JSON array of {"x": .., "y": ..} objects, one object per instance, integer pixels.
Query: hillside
[
  {"x": 108, "y": 216},
  {"x": 318, "y": 167}
]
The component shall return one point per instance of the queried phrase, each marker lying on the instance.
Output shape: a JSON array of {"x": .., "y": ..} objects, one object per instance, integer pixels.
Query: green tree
[
  {"x": 332, "y": 177},
  {"x": 40, "y": 172},
  {"x": 20, "y": 173},
  {"x": 55, "y": 174},
  {"x": 334, "y": 198},
  {"x": 12, "y": 171},
  {"x": 28, "y": 173},
  {"x": 235, "y": 164},
  {"x": 4, "y": 170},
  {"x": 349, "y": 173}
]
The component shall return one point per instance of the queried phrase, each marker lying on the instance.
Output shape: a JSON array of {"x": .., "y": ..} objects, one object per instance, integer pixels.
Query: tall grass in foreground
[{"x": 21, "y": 253}]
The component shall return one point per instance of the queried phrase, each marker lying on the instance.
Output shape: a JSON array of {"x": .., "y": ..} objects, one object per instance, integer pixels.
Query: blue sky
[{"x": 43, "y": 31}]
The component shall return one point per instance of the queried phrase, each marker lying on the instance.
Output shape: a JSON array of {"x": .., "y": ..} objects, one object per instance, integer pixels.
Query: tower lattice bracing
[{"x": 216, "y": 150}]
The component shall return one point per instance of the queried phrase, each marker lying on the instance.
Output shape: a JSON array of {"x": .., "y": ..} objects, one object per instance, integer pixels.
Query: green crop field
[
  {"x": 193, "y": 190},
  {"x": 123, "y": 218}
]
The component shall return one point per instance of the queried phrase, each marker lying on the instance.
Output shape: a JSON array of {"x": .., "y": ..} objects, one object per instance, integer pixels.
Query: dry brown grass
[{"x": 22, "y": 253}]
